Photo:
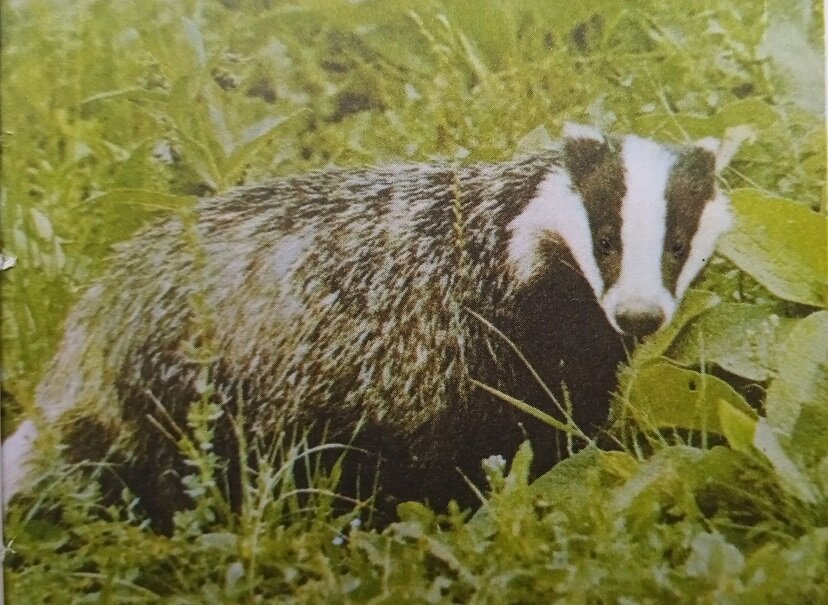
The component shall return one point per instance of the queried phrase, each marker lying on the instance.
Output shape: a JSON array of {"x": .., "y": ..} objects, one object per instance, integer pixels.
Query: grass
[{"x": 115, "y": 113}]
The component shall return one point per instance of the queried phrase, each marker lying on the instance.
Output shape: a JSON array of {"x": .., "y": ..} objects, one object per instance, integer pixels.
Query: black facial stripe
[
  {"x": 690, "y": 186},
  {"x": 597, "y": 173}
]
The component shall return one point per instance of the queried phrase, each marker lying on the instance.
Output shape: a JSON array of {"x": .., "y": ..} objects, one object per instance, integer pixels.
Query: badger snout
[
  {"x": 639, "y": 320},
  {"x": 637, "y": 311}
]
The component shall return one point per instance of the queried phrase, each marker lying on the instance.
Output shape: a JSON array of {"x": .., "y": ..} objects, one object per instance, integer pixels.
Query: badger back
[
  {"x": 354, "y": 299},
  {"x": 346, "y": 287}
]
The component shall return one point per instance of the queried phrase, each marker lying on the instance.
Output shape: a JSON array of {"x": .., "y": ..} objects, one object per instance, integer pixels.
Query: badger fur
[{"x": 384, "y": 297}]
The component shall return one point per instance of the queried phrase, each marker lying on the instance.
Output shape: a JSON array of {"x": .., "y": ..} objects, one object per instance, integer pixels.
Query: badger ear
[
  {"x": 724, "y": 150},
  {"x": 584, "y": 151},
  {"x": 580, "y": 131}
]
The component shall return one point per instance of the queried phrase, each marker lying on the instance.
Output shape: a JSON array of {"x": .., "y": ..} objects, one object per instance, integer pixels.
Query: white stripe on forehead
[
  {"x": 644, "y": 212},
  {"x": 555, "y": 209},
  {"x": 643, "y": 224}
]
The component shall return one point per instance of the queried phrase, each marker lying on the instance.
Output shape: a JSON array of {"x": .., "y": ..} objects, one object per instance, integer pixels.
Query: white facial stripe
[
  {"x": 643, "y": 217},
  {"x": 714, "y": 221},
  {"x": 556, "y": 208}
]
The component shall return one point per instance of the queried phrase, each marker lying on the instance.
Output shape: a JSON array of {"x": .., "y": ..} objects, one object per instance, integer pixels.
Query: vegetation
[{"x": 117, "y": 112}]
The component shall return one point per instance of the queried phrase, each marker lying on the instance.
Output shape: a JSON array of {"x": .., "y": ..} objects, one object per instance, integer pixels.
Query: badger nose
[{"x": 639, "y": 320}]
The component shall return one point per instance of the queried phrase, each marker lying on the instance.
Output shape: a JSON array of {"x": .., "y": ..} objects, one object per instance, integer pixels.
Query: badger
[{"x": 395, "y": 307}]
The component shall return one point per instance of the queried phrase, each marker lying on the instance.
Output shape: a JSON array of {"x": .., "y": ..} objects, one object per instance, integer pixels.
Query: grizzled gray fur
[{"x": 341, "y": 297}]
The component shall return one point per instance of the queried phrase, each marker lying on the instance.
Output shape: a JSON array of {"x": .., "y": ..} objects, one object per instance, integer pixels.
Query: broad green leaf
[
  {"x": 797, "y": 401},
  {"x": 566, "y": 483},
  {"x": 662, "y": 395},
  {"x": 658, "y": 473},
  {"x": 618, "y": 464},
  {"x": 681, "y": 479},
  {"x": 752, "y": 111},
  {"x": 792, "y": 477},
  {"x": 415, "y": 512},
  {"x": 781, "y": 244},
  {"x": 802, "y": 380},
  {"x": 720, "y": 466},
  {"x": 695, "y": 303},
  {"x": 738, "y": 427},
  {"x": 671, "y": 476},
  {"x": 743, "y": 339},
  {"x": 808, "y": 442}
]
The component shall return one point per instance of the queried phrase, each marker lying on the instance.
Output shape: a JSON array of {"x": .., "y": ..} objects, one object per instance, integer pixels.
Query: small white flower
[{"x": 494, "y": 463}]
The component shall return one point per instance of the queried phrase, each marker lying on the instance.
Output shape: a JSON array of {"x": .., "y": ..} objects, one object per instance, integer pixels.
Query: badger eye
[
  {"x": 677, "y": 249},
  {"x": 605, "y": 246}
]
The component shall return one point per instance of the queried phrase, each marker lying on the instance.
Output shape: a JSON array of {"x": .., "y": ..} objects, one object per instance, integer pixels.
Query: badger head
[{"x": 639, "y": 218}]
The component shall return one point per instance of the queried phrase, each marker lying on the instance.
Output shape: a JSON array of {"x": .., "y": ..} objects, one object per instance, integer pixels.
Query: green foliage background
[{"x": 115, "y": 113}]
